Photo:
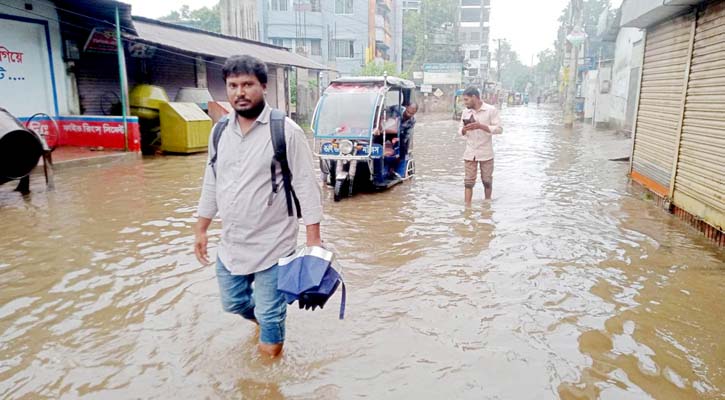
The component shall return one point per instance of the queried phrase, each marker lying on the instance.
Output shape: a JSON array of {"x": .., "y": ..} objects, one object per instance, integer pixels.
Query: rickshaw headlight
[{"x": 346, "y": 147}]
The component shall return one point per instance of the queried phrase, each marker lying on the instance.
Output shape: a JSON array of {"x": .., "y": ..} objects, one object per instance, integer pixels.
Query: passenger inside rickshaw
[{"x": 386, "y": 132}]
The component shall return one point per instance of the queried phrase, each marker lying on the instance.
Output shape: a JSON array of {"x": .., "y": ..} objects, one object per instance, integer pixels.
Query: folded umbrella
[{"x": 309, "y": 278}]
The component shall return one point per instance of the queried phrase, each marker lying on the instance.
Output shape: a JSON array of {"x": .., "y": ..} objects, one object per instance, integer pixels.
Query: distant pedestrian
[
  {"x": 538, "y": 100},
  {"x": 259, "y": 225},
  {"x": 479, "y": 122}
]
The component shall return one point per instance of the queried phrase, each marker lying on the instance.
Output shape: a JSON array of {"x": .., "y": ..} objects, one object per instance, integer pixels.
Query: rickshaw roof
[{"x": 377, "y": 80}]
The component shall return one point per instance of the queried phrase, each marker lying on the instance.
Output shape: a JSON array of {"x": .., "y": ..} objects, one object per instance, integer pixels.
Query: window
[
  {"x": 277, "y": 41},
  {"x": 472, "y": 72},
  {"x": 473, "y": 54},
  {"x": 344, "y": 48},
  {"x": 475, "y": 37},
  {"x": 316, "y": 47},
  {"x": 471, "y": 3},
  {"x": 471, "y": 15},
  {"x": 315, "y": 6},
  {"x": 343, "y": 6},
  {"x": 279, "y": 5}
]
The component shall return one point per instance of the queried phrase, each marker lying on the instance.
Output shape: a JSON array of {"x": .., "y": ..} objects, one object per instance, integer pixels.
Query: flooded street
[{"x": 569, "y": 284}]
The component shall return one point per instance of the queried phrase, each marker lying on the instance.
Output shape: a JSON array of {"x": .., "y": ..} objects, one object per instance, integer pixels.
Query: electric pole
[
  {"x": 498, "y": 61},
  {"x": 575, "y": 39}
]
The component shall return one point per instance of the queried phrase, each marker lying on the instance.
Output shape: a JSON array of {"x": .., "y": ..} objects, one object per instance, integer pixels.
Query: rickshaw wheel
[
  {"x": 339, "y": 184},
  {"x": 332, "y": 166}
]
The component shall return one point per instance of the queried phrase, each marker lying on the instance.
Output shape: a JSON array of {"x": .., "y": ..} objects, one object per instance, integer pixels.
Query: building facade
[
  {"x": 474, "y": 38},
  {"x": 411, "y": 5},
  {"x": 240, "y": 18},
  {"x": 342, "y": 34}
]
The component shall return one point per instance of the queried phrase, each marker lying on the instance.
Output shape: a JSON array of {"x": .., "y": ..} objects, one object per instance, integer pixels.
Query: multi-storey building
[
  {"x": 411, "y": 5},
  {"x": 342, "y": 34},
  {"x": 474, "y": 37}
]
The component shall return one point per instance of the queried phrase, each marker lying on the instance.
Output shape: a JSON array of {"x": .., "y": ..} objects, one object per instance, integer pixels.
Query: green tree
[
  {"x": 546, "y": 70},
  {"x": 431, "y": 35},
  {"x": 380, "y": 68},
  {"x": 204, "y": 18},
  {"x": 514, "y": 74}
]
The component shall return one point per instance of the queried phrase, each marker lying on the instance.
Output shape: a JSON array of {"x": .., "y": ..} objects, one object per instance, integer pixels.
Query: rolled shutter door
[
  {"x": 660, "y": 103},
  {"x": 700, "y": 180}
]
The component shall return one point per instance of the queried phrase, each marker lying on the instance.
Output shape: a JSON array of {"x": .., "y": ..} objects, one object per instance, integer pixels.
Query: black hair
[
  {"x": 245, "y": 65},
  {"x": 412, "y": 103},
  {"x": 472, "y": 91}
]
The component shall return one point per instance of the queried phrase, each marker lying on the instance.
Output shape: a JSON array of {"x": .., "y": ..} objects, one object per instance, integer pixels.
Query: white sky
[{"x": 529, "y": 25}]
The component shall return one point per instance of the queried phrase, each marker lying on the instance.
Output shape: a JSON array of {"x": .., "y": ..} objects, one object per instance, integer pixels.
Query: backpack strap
[
  {"x": 279, "y": 144},
  {"x": 217, "y": 131}
]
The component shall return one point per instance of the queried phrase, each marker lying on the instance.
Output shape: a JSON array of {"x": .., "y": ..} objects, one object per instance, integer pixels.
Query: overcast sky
[{"x": 529, "y": 25}]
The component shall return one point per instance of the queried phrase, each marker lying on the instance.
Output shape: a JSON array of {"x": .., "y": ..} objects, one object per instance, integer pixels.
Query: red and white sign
[
  {"x": 86, "y": 131},
  {"x": 101, "y": 40}
]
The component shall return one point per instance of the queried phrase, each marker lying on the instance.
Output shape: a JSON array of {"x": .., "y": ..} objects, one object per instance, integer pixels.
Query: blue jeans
[{"x": 263, "y": 303}]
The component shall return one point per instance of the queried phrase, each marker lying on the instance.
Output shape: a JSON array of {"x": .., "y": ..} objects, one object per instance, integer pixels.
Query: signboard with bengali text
[
  {"x": 443, "y": 74},
  {"x": 25, "y": 69},
  {"x": 101, "y": 40}
]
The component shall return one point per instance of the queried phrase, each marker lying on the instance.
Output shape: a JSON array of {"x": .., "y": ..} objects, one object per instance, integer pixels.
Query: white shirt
[
  {"x": 256, "y": 229},
  {"x": 479, "y": 146}
]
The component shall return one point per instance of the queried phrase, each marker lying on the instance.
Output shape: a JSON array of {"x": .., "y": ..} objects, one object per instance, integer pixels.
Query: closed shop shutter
[
  {"x": 700, "y": 179},
  {"x": 660, "y": 103},
  {"x": 172, "y": 72},
  {"x": 98, "y": 83}
]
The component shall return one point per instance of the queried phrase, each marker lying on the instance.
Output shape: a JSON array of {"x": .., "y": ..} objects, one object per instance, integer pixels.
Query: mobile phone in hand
[{"x": 469, "y": 121}]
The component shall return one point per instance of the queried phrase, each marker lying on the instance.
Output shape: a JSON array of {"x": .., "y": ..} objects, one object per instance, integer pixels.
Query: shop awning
[{"x": 196, "y": 41}]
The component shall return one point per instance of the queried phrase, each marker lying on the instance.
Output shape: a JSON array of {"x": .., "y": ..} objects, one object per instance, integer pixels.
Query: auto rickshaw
[{"x": 357, "y": 134}]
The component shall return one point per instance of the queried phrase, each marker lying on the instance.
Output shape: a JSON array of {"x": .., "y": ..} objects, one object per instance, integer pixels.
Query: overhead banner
[{"x": 443, "y": 74}]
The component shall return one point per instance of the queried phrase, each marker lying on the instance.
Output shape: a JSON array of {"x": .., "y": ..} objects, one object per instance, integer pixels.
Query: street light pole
[
  {"x": 576, "y": 37},
  {"x": 571, "y": 89}
]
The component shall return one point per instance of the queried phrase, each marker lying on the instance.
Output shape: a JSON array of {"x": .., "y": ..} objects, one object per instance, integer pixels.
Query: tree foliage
[
  {"x": 204, "y": 18},
  {"x": 546, "y": 70},
  {"x": 431, "y": 35},
  {"x": 514, "y": 75},
  {"x": 380, "y": 68}
]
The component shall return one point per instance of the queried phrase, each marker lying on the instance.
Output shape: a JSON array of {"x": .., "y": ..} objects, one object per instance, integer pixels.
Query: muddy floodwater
[{"x": 570, "y": 284}]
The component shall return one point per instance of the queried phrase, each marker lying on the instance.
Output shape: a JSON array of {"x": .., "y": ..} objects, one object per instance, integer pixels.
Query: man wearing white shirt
[{"x": 479, "y": 122}]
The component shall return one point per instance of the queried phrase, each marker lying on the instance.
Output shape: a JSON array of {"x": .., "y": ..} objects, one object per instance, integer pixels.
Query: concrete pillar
[{"x": 201, "y": 78}]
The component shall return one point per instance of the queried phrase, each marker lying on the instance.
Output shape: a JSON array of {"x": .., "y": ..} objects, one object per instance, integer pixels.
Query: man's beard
[{"x": 252, "y": 112}]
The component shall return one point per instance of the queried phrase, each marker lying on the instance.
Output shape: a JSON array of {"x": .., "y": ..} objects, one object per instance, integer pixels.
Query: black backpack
[{"x": 279, "y": 143}]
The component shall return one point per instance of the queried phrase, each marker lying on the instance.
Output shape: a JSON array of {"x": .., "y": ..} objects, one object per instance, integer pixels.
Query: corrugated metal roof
[
  {"x": 95, "y": 13},
  {"x": 197, "y": 41}
]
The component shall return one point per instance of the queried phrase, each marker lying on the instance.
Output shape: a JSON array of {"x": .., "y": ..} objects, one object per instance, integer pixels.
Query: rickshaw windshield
[{"x": 346, "y": 114}]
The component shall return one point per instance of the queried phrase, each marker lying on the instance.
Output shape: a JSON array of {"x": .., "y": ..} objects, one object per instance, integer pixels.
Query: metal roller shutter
[
  {"x": 700, "y": 179},
  {"x": 660, "y": 103},
  {"x": 172, "y": 72},
  {"x": 97, "y": 76}
]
